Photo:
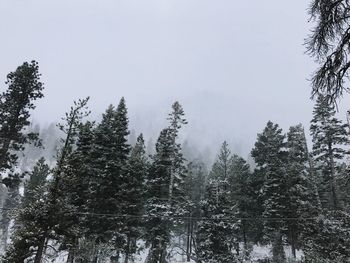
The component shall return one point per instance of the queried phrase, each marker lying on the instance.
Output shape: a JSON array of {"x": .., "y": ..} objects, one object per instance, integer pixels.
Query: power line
[{"x": 126, "y": 216}]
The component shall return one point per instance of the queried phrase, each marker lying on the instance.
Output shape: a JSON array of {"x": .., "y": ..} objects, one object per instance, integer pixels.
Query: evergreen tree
[
  {"x": 166, "y": 190},
  {"x": 50, "y": 224},
  {"x": 221, "y": 167},
  {"x": 37, "y": 179},
  {"x": 195, "y": 183},
  {"x": 110, "y": 154},
  {"x": 329, "y": 137},
  {"x": 75, "y": 184},
  {"x": 329, "y": 240},
  {"x": 134, "y": 194},
  {"x": 270, "y": 157},
  {"x": 24, "y": 87},
  {"x": 31, "y": 216},
  {"x": 158, "y": 210},
  {"x": 241, "y": 195},
  {"x": 300, "y": 187},
  {"x": 217, "y": 232}
]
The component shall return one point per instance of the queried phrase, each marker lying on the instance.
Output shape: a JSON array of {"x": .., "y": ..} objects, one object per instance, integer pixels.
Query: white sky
[{"x": 233, "y": 65}]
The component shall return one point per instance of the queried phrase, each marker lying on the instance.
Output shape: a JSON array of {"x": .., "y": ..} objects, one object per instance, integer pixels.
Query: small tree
[{"x": 31, "y": 216}]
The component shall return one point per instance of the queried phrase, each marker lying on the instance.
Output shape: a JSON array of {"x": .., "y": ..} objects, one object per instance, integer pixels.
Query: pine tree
[
  {"x": 134, "y": 193},
  {"x": 221, "y": 167},
  {"x": 24, "y": 87},
  {"x": 329, "y": 240},
  {"x": 110, "y": 154},
  {"x": 31, "y": 216},
  {"x": 195, "y": 183},
  {"x": 49, "y": 224},
  {"x": 270, "y": 157},
  {"x": 158, "y": 210},
  {"x": 166, "y": 190},
  {"x": 75, "y": 185},
  {"x": 217, "y": 234},
  {"x": 241, "y": 195},
  {"x": 300, "y": 187},
  {"x": 37, "y": 179},
  {"x": 178, "y": 169},
  {"x": 329, "y": 137}
]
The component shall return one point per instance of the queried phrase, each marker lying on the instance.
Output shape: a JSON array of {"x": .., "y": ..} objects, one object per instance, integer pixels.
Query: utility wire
[{"x": 118, "y": 216}]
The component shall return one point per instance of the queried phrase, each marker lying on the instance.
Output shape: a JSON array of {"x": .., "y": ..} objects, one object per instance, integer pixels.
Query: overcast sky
[{"x": 233, "y": 65}]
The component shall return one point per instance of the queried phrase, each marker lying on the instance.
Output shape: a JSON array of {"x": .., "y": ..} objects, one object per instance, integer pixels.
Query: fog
[{"x": 233, "y": 65}]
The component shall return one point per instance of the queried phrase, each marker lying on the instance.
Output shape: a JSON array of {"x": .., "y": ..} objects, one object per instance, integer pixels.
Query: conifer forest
[{"x": 89, "y": 189}]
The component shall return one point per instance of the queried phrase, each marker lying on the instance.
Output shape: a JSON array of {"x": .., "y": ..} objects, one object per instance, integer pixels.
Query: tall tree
[
  {"x": 217, "y": 234},
  {"x": 329, "y": 136},
  {"x": 270, "y": 156},
  {"x": 110, "y": 153},
  {"x": 301, "y": 195},
  {"x": 55, "y": 206},
  {"x": 158, "y": 210},
  {"x": 241, "y": 195},
  {"x": 24, "y": 87},
  {"x": 75, "y": 186},
  {"x": 166, "y": 187},
  {"x": 134, "y": 194}
]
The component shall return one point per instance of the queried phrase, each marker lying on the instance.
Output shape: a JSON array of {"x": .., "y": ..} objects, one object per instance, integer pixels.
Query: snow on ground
[{"x": 259, "y": 252}]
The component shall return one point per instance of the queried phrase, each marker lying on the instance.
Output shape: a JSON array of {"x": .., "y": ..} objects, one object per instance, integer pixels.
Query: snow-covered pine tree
[
  {"x": 158, "y": 210},
  {"x": 216, "y": 237},
  {"x": 75, "y": 184},
  {"x": 24, "y": 87},
  {"x": 270, "y": 156},
  {"x": 32, "y": 215},
  {"x": 301, "y": 192},
  {"x": 241, "y": 195},
  {"x": 178, "y": 168},
  {"x": 165, "y": 187},
  {"x": 195, "y": 183},
  {"x": 54, "y": 206},
  {"x": 36, "y": 182},
  {"x": 329, "y": 136},
  {"x": 221, "y": 167},
  {"x": 217, "y": 232},
  {"x": 329, "y": 238},
  {"x": 134, "y": 194},
  {"x": 110, "y": 154}
]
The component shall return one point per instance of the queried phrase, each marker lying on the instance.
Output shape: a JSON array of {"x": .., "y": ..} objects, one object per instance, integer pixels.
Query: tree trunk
[
  {"x": 293, "y": 245},
  {"x": 40, "y": 251},
  {"x": 70, "y": 258},
  {"x": 188, "y": 243},
  {"x": 332, "y": 179},
  {"x": 127, "y": 251}
]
